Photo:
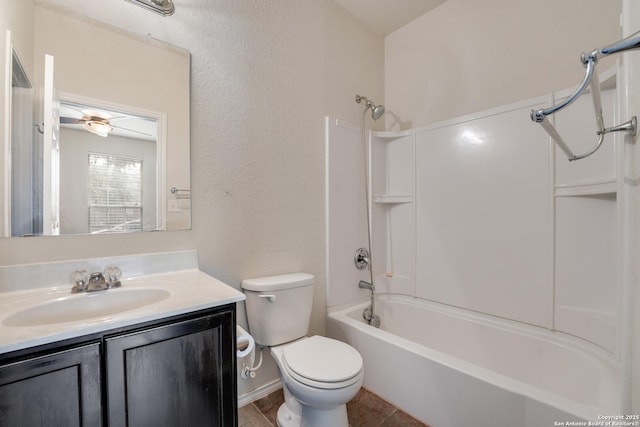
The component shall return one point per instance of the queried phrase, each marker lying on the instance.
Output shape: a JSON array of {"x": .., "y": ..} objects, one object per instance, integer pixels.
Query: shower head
[{"x": 376, "y": 110}]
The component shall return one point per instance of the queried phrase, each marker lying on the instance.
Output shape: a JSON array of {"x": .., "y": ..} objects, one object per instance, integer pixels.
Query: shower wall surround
[{"x": 483, "y": 213}]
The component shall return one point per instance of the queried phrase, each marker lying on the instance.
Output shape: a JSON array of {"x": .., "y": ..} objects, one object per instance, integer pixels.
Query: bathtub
[{"x": 451, "y": 368}]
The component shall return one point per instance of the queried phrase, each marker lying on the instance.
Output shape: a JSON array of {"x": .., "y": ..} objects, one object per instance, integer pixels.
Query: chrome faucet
[
  {"x": 368, "y": 314},
  {"x": 96, "y": 281},
  {"x": 366, "y": 285}
]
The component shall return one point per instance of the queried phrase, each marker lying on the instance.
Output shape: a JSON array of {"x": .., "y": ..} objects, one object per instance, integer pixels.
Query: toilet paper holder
[
  {"x": 245, "y": 350},
  {"x": 245, "y": 342}
]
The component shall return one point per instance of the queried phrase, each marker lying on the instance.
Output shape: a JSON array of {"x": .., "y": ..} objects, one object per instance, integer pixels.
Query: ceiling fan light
[
  {"x": 163, "y": 7},
  {"x": 98, "y": 127}
]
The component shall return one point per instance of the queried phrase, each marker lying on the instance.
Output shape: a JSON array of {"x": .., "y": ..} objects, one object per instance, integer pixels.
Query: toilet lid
[{"x": 323, "y": 359}]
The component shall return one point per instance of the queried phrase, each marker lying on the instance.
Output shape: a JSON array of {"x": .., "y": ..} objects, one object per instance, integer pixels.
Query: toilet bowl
[{"x": 319, "y": 375}]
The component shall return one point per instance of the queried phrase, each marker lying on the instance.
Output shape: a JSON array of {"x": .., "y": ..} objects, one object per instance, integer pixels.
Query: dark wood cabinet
[
  {"x": 172, "y": 375},
  {"x": 61, "y": 388},
  {"x": 178, "y": 371}
]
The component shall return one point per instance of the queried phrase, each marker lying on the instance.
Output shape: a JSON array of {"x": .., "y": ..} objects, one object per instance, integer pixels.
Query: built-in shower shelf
[
  {"x": 594, "y": 188},
  {"x": 391, "y": 135},
  {"x": 393, "y": 198}
]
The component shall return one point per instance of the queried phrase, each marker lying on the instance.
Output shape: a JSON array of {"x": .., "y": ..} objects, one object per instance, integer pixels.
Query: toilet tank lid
[{"x": 276, "y": 283}]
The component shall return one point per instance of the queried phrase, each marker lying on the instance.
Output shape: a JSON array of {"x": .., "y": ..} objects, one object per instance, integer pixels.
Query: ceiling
[{"x": 385, "y": 16}]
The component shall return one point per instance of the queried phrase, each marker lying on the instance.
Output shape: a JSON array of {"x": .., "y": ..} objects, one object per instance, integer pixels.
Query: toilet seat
[{"x": 322, "y": 362}]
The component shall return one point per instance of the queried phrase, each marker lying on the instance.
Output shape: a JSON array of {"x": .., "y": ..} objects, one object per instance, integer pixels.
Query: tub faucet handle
[{"x": 362, "y": 259}]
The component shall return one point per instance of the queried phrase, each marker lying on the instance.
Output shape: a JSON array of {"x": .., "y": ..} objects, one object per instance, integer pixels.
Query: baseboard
[{"x": 259, "y": 393}]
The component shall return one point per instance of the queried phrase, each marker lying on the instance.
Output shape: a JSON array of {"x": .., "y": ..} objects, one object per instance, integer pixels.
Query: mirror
[{"x": 99, "y": 139}]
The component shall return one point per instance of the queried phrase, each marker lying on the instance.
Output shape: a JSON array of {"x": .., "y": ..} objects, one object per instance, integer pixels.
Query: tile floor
[{"x": 364, "y": 410}]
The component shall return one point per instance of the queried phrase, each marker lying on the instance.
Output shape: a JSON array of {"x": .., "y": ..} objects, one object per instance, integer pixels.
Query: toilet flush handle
[{"x": 270, "y": 297}]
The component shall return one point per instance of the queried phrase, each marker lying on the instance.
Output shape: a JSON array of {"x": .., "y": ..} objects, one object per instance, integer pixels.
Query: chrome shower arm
[
  {"x": 539, "y": 115},
  {"x": 628, "y": 43},
  {"x": 590, "y": 61}
]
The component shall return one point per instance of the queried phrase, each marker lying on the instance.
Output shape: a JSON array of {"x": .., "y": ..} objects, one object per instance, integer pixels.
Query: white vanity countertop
[{"x": 182, "y": 292}]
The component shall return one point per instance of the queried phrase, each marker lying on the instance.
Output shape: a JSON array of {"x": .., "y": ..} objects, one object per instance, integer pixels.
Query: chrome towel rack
[
  {"x": 590, "y": 80},
  {"x": 180, "y": 193}
]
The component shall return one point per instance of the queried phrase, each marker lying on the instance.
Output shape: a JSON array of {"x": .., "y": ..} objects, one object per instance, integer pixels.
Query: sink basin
[{"x": 86, "y": 306}]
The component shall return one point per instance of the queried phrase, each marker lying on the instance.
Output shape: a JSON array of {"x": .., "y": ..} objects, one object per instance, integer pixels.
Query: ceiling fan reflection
[{"x": 97, "y": 122}]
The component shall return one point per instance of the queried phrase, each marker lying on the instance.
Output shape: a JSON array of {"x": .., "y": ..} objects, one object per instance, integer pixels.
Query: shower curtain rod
[{"x": 590, "y": 79}]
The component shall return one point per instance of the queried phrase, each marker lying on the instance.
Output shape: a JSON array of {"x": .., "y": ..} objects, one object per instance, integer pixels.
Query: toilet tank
[{"x": 278, "y": 307}]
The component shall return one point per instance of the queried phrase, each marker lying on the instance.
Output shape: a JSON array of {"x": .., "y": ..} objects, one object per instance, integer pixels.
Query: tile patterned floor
[{"x": 364, "y": 410}]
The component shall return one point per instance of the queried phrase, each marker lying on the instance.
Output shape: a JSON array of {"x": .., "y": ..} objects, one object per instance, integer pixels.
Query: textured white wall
[
  {"x": 468, "y": 55},
  {"x": 264, "y": 75}
]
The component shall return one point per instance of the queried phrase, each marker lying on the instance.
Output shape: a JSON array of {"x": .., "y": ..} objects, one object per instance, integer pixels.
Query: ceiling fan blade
[
  {"x": 71, "y": 120},
  {"x": 119, "y": 117},
  {"x": 74, "y": 108},
  {"x": 130, "y": 130}
]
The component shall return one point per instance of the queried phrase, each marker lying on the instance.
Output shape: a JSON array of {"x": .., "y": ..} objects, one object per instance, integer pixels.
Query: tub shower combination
[
  {"x": 498, "y": 291},
  {"x": 451, "y": 367}
]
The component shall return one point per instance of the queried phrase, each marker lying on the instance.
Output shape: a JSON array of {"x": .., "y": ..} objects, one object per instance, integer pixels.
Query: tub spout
[{"x": 366, "y": 285}]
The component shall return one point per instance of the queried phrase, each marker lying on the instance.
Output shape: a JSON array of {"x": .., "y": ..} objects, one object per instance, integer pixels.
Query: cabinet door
[
  {"x": 58, "y": 389},
  {"x": 180, "y": 374}
]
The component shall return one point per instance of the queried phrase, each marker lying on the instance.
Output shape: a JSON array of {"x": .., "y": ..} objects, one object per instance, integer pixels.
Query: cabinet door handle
[{"x": 270, "y": 297}]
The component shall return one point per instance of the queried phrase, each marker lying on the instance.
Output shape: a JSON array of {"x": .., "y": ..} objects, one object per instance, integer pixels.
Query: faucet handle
[
  {"x": 362, "y": 259},
  {"x": 112, "y": 275},
  {"x": 79, "y": 279}
]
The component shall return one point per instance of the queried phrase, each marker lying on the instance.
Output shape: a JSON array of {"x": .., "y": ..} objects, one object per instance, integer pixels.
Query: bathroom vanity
[
  {"x": 176, "y": 371},
  {"x": 167, "y": 362}
]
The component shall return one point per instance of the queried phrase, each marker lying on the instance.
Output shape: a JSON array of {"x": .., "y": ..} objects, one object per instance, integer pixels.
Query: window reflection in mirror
[
  {"x": 108, "y": 173},
  {"x": 115, "y": 193}
]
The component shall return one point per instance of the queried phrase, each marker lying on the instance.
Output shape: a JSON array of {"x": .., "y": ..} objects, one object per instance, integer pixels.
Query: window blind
[{"x": 115, "y": 193}]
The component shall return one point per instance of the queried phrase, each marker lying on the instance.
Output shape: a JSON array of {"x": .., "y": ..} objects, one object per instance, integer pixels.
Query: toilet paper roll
[{"x": 246, "y": 344}]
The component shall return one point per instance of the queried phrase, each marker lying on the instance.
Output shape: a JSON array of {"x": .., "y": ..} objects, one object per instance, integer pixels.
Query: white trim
[
  {"x": 605, "y": 186},
  {"x": 259, "y": 393},
  {"x": 50, "y": 135},
  {"x": 532, "y": 102},
  {"x": 161, "y": 145},
  {"x": 161, "y": 174},
  {"x": 346, "y": 125},
  {"x": 327, "y": 207},
  {"x": 392, "y": 134},
  {"x": 629, "y": 343},
  {"x": 6, "y": 216}
]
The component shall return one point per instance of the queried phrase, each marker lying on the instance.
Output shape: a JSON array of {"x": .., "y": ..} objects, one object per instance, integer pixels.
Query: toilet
[{"x": 319, "y": 375}]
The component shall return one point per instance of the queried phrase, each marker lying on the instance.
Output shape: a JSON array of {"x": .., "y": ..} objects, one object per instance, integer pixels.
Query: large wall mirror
[{"x": 99, "y": 129}]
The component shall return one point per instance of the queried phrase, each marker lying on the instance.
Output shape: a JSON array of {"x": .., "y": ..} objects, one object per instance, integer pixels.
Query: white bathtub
[{"x": 451, "y": 368}]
